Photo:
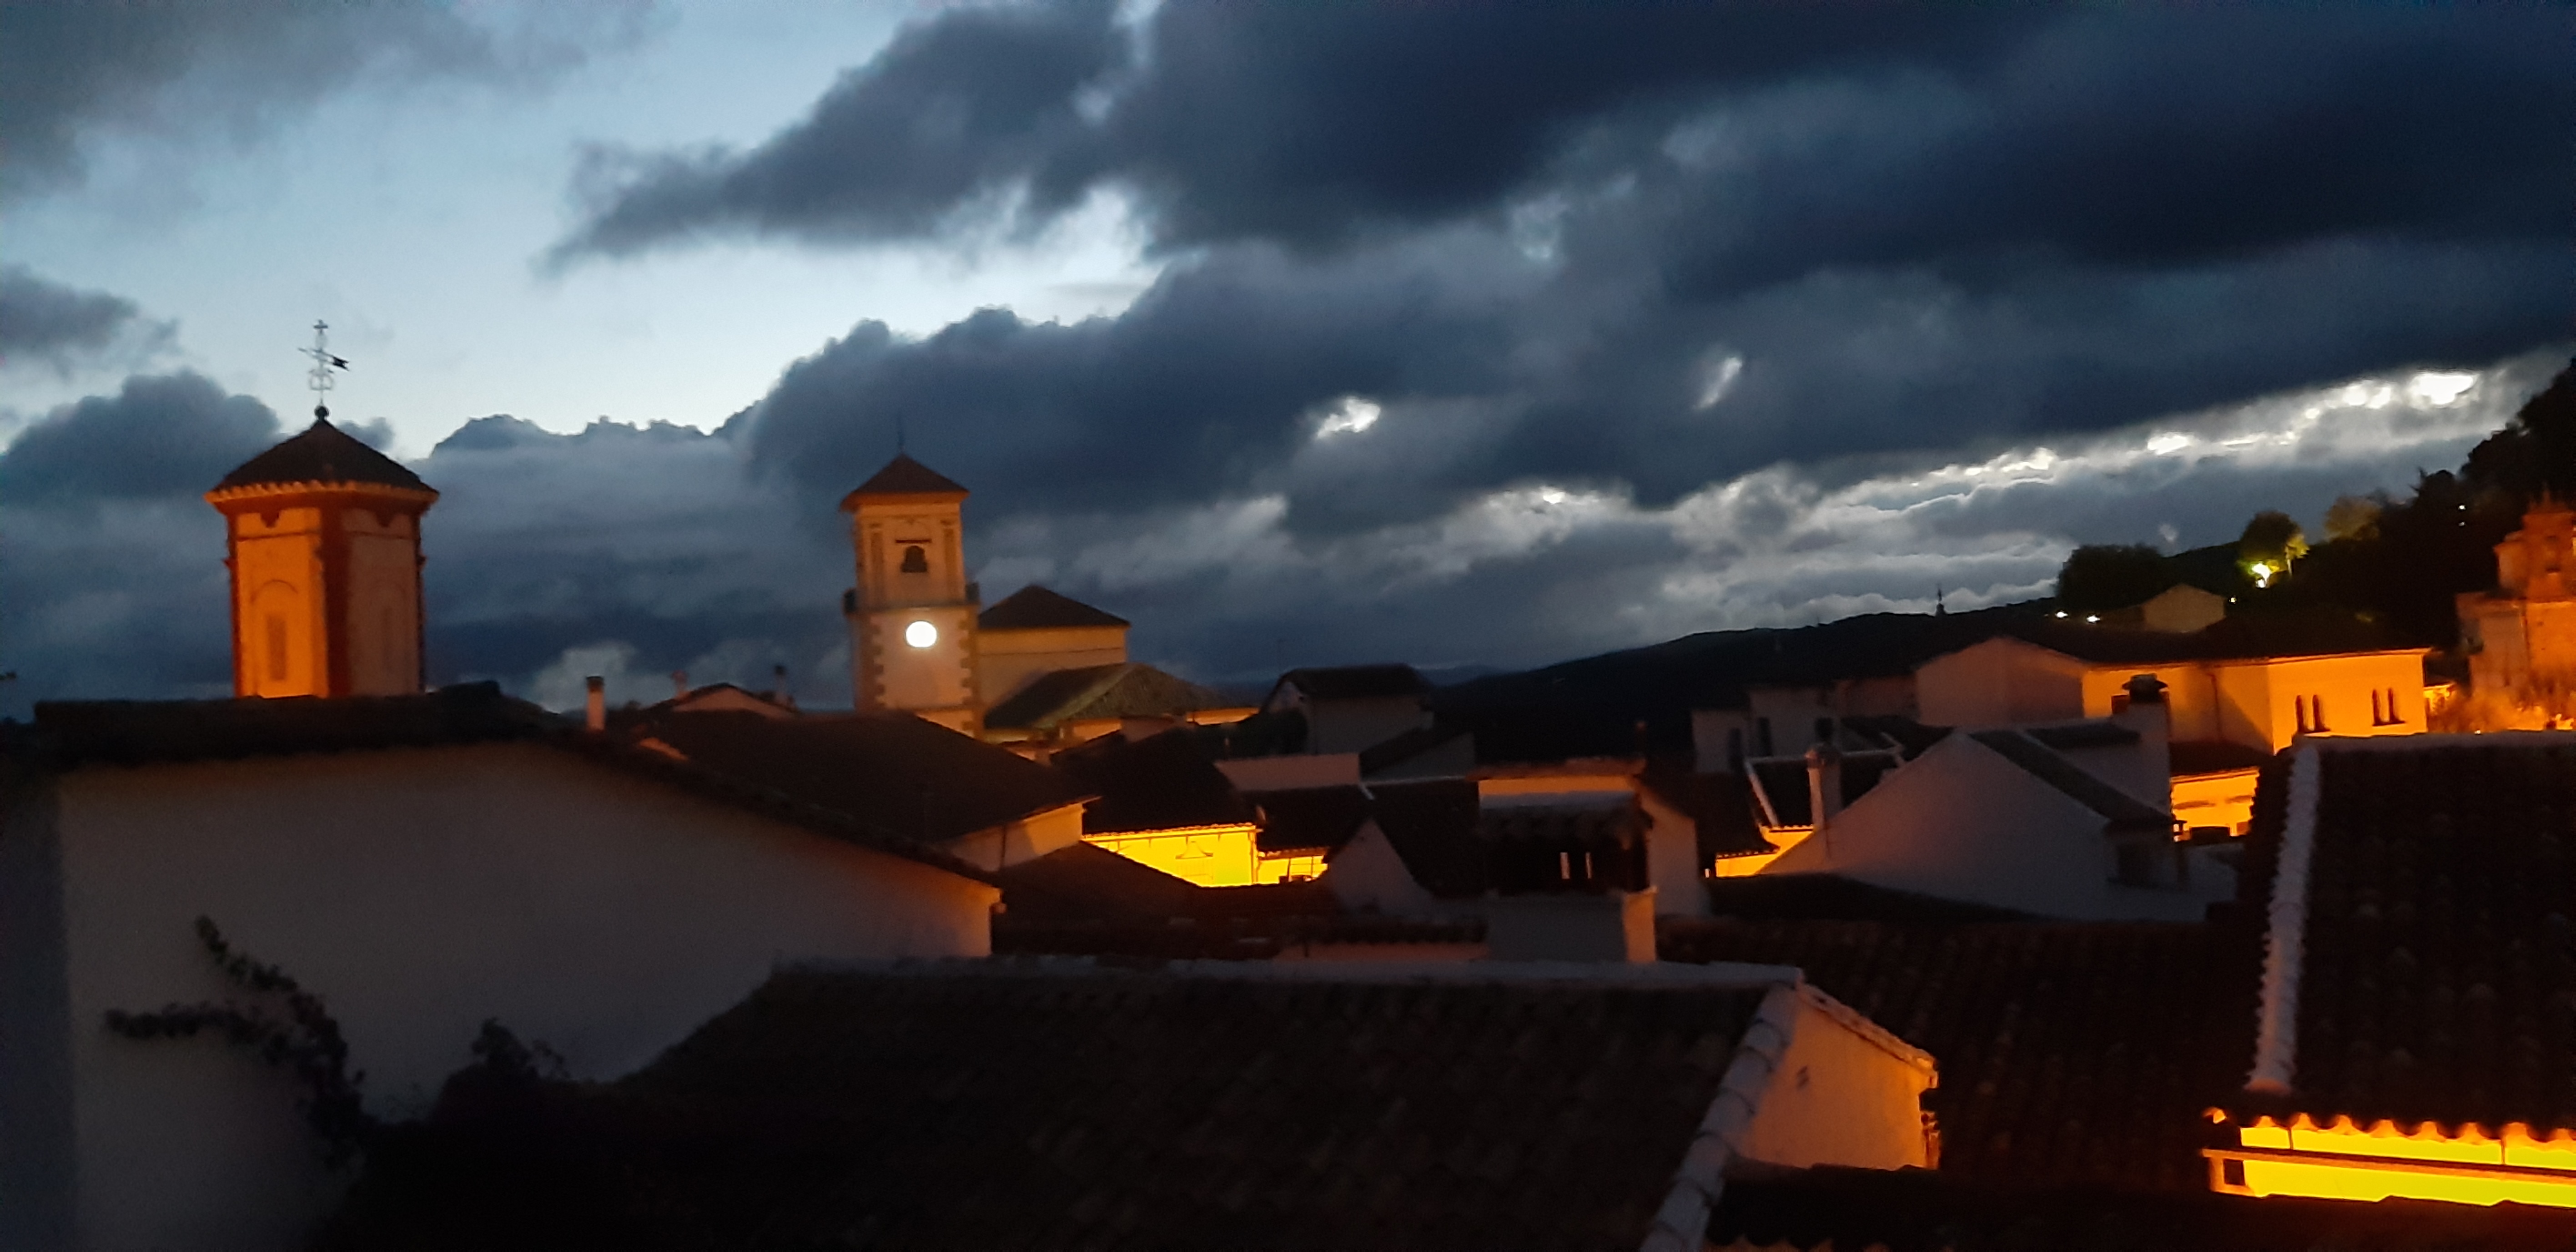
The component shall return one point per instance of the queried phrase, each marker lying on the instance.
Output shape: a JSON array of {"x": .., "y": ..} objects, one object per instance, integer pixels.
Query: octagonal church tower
[
  {"x": 912, "y": 615},
  {"x": 323, "y": 540}
]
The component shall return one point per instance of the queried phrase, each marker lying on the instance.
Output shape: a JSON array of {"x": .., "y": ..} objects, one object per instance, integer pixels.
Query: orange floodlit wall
[
  {"x": 2224, "y": 799},
  {"x": 2343, "y": 1160},
  {"x": 1211, "y": 856}
]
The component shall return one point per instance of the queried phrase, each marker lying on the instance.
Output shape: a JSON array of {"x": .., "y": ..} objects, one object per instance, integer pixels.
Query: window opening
[{"x": 915, "y": 561}]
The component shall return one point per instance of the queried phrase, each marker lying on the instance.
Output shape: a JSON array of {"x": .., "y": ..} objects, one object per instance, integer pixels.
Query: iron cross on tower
[{"x": 321, "y": 379}]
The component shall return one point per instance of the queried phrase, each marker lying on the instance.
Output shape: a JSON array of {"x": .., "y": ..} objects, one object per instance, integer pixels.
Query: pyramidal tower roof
[
  {"x": 324, "y": 453},
  {"x": 904, "y": 476}
]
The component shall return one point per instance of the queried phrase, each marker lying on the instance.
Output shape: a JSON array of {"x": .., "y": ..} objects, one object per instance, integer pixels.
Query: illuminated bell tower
[
  {"x": 323, "y": 541},
  {"x": 912, "y": 616}
]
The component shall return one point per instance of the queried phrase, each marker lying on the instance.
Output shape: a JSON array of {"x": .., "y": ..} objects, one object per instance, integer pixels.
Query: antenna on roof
[{"x": 321, "y": 379}]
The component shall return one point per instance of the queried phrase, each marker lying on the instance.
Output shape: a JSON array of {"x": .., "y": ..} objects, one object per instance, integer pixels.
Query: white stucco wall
[
  {"x": 1673, "y": 867},
  {"x": 1840, "y": 1097},
  {"x": 1962, "y": 823},
  {"x": 1365, "y": 875},
  {"x": 419, "y": 893},
  {"x": 2000, "y": 682}
]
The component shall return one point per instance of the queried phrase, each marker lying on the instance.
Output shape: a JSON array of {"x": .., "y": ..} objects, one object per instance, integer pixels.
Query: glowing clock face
[{"x": 921, "y": 634}]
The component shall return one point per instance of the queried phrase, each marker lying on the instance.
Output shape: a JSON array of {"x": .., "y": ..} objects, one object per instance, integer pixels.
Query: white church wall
[{"x": 419, "y": 893}]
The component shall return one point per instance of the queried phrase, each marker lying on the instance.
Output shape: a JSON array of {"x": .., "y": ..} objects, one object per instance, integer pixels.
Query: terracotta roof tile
[
  {"x": 1035, "y": 608},
  {"x": 904, "y": 476},
  {"x": 1093, "y": 692},
  {"x": 1161, "y": 782},
  {"x": 2121, "y": 810},
  {"x": 2438, "y": 977},
  {"x": 2070, "y": 1053},
  {"x": 70, "y": 734},
  {"x": 322, "y": 453}
]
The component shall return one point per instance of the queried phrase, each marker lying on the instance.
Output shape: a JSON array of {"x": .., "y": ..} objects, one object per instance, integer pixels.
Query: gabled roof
[
  {"x": 323, "y": 453},
  {"x": 1083, "y": 883},
  {"x": 1432, "y": 827},
  {"x": 1059, "y": 1104},
  {"x": 1388, "y": 754},
  {"x": 68, "y": 735},
  {"x": 892, "y": 770},
  {"x": 903, "y": 476},
  {"x": 1035, "y": 608},
  {"x": 2071, "y": 1052},
  {"x": 2435, "y": 977},
  {"x": 1356, "y": 682},
  {"x": 1093, "y": 692},
  {"x": 2121, "y": 810},
  {"x": 1161, "y": 782}
]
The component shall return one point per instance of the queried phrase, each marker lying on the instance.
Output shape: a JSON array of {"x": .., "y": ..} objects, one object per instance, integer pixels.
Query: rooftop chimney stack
[
  {"x": 778, "y": 686},
  {"x": 2144, "y": 710},
  {"x": 1824, "y": 783},
  {"x": 595, "y": 709},
  {"x": 679, "y": 684}
]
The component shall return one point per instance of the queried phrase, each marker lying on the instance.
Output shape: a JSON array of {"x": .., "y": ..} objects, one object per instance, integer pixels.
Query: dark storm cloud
[
  {"x": 2129, "y": 136},
  {"x": 168, "y": 435},
  {"x": 68, "y": 67},
  {"x": 46, "y": 323},
  {"x": 946, "y": 115}
]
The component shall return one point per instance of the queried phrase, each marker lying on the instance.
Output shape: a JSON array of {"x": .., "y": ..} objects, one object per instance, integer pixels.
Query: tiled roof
[
  {"x": 892, "y": 770},
  {"x": 1024, "y": 1105},
  {"x": 323, "y": 453},
  {"x": 1127, "y": 689},
  {"x": 1035, "y": 608},
  {"x": 1929, "y": 1211},
  {"x": 135, "y": 732},
  {"x": 1719, "y": 805},
  {"x": 1357, "y": 682},
  {"x": 1306, "y": 818},
  {"x": 2317, "y": 632},
  {"x": 1279, "y": 918},
  {"x": 2438, "y": 972},
  {"x": 2214, "y": 756},
  {"x": 1783, "y": 781},
  {"x": 2070, "y": 1053},
  {"x": 1432, "y": 827},
  {"x": 904, "y": 476},
  {"x": 1832, "y": 897},
  {"x": 2121, "y": 810},
  {"x": 1161, "y": 782}
]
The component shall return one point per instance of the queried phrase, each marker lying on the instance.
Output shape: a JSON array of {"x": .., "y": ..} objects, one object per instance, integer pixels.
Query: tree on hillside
[
  {"x": 2536, "y": 451},
  {"x": 2102, "y": 576},
  {"x": 2271, "y": 544}
]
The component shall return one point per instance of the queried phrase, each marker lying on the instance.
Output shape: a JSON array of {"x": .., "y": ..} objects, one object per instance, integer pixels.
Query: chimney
[
  {"x": 679, "y": 684},
  {"x": 778, "y": 686},
  {"x": 595, "y": 712},
  {"x": 2144, "y": 710},
  {"x": 1824, "y": 783}
]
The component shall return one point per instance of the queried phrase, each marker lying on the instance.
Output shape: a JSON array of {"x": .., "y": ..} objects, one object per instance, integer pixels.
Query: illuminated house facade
[
  {"x": 2521, "y": 637},
  {"x": 1038, "y": 670},
  {"x": 2418, "y": 998},
  {"x": 322, "y": 536}
]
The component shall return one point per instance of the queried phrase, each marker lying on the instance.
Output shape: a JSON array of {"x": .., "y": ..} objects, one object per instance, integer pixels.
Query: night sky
[{"x": 1297, "y": 334}]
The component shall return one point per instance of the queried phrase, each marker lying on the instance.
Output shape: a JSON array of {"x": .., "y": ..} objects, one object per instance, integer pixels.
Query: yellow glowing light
[
  {"x": 2344, "y": 1160},
  {"x": 2262, "y": 571},
  {"x": 921, "y": 634}
]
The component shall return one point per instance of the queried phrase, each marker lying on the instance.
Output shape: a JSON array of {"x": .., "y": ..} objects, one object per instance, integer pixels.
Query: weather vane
[{"x": 321, "y": 380}]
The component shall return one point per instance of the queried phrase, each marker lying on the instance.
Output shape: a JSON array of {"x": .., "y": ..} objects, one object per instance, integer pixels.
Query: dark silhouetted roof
[
  {"x": 1083, "y": 883},
  {"x": 2214, "y": 756},
  {"x": 2070, "y": 1053},
  {"x": 1310, "y": 817},
  {"x": 904, "y": 476},
  {"x": 892, "y": 770},
  {"x": 992, "y": 1105},
  {"x": 1357, "y": 682},
  {"x": 1035, "y": 608},
  {"x": 323, "y": 453},
  {"x": 2123, "y": 811},
  {"x": 2438, "y": 971},
  {"x": 1161, "y": 782},
  {"x": 1832, "y": 897},
  {"x": 1127, "y": 689},
  {"x": 2078, "y": 735},
  {"x": 1720, "y": 806},
  {"x": 1432, "y": 827},
  {"x": 1390, "y": 753},
  {"x": 132, "y": 732}
]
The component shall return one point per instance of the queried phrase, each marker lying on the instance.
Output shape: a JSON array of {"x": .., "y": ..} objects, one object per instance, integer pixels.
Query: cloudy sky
[{"x": 1296, "y": 333}]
